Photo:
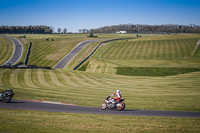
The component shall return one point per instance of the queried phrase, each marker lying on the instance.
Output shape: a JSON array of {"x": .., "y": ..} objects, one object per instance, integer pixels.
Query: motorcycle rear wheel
[
  {"x": 103, "y": 106},
  {"x": 121, "y": 107},
  {"x": 7, "y": 99}
]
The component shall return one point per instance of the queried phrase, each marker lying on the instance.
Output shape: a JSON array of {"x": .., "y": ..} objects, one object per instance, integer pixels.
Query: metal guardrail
[
  {"x": 77, "y": 66},
  {"x": 27, "y": 54}
]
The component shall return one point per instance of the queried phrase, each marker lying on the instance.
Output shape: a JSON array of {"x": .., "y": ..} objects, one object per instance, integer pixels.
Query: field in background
[
  {"x": 169, "y": 51},
  {"x": 6, "y": 49},
  {"x": 48, "y": 53}
]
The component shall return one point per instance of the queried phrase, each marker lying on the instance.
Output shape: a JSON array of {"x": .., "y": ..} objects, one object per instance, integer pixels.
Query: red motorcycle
[{"x": 112, "y": 104}]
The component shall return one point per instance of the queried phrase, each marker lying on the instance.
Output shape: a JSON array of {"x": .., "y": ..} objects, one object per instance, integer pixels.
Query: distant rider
[
  {"x": 1, "y": 95},
  {"x": 119, "y": 96}
]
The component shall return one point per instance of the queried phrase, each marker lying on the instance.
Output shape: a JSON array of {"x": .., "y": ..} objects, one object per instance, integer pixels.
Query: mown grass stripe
[
  {"x": 184, "y": 47},
  {"x": 134, "y": 49},
  {"x": 86, "y": 78},
  {"x": 36, "y": 79},
  {"x": 148, "y": 50},
  {"x": 68, "y": 79},
  {"x": 144, "y": 52},
  {"x": 94, "y": 81},
  {"x": 176, "y": 49},
  {"x": 126, "y": 50},
  {"x": 152, "y": 50},
  {"x": 169, "y": 49},
  {"x": 28, "y": 78},
  {"x": 159, "y": 53},
  {"x": 62, "y": 78},
  {"x": 156, "y": 51},
  {"x": 112, "y": 51},
  {"x": 139, "y": 50},
  {"x": 71, "y": 78},
  {"x": 179, "y": 48},
  {"x": 130, "y": 49},
  {"x": 79, "y": 80},
  {"x": 3, "y": 50},
  {"x": 55, "y": 79},
  {"x": 108, "y": 81},
  {"x": 101, "y": 81},
  {"x": 21, "y": 79},
  {"x": 6, "y": 77},
  {"x": 6, "y": 50},
  {"x": 14, "y": 79},
  {"x": 122, "y": 48},
  {"x": 47, "y": 78},
  {"x": 164, "y": 49},
  {"x": 2, "y": 72},
  {"x": 42, "y": 54},
  {"x": 188, "y": 47}
]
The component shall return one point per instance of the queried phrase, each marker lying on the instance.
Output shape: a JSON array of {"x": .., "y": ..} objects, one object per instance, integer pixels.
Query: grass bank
[
  {"x": 36, "y": 121},
  {"x": 6, "y": 51},
  {"x": 148, "y": 51},
  {"x": 179, "y": 92}
]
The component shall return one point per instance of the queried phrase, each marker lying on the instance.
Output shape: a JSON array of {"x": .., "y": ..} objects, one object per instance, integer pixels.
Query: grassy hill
[
  {"x": 48, "y": 53},
  {"x": 168, "y": 51},
  {"x": 116, "y": 57},
  {"x": 179, "y": 92},
  {"x": 98, "y": 78},
  {"x": 6, "y": 50}
]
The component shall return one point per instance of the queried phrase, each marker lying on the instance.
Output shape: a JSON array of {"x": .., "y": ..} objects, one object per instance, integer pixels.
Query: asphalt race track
[
  {"x": 18, "y": 51},
  {"x": 52, "y": 107},
  {"x": 64, "y": 61}
]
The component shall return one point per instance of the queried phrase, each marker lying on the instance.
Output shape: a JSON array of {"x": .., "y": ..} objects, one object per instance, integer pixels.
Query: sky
[{"x": 78, "y": 14}]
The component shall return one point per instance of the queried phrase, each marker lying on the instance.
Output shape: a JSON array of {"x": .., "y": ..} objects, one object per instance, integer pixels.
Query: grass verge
[
  {"x": 37, "y": 121},
  {"x": 84, "y": 66}
]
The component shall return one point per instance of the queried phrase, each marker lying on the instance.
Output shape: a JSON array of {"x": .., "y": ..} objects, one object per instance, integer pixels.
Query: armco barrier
[
  {"x": 27, "y": 54},
  {"x": 96, "y": 49}
]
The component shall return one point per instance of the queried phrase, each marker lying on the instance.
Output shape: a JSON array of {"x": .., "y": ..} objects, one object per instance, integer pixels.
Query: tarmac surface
[
  {"x": 70, "y": 108},
  {"x": 65, "y": 60},
  {"x": 18, "y": 51}
]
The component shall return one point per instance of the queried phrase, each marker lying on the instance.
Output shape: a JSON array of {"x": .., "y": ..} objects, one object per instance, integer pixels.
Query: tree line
[
  {"x": 142, "y": 28},
  {"x": 40, "y": 29}
]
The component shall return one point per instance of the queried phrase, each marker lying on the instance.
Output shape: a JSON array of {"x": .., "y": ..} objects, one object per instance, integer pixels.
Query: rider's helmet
[{"x": 117, "y": 91}]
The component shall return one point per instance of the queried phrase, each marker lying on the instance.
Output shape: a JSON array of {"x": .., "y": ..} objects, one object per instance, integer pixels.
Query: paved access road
[
  {"x": 65, "y": 60},
  {"x": 42, "y": 106},
  {"x": 18, "y": 51}
]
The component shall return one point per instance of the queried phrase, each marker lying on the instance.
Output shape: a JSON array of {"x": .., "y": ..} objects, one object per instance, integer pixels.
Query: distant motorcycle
[
  {"x": 6, "y": 96},
  {"x": 112, "y": 104}
]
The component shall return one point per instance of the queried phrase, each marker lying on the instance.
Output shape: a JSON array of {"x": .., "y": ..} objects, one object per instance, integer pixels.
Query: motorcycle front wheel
[
  {"x": 7, "y": 99},
  {"x": 103, "y": 106}
]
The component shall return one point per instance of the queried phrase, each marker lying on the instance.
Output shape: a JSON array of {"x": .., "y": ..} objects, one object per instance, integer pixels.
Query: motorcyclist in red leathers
[{"x": 119, "y": 95}]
